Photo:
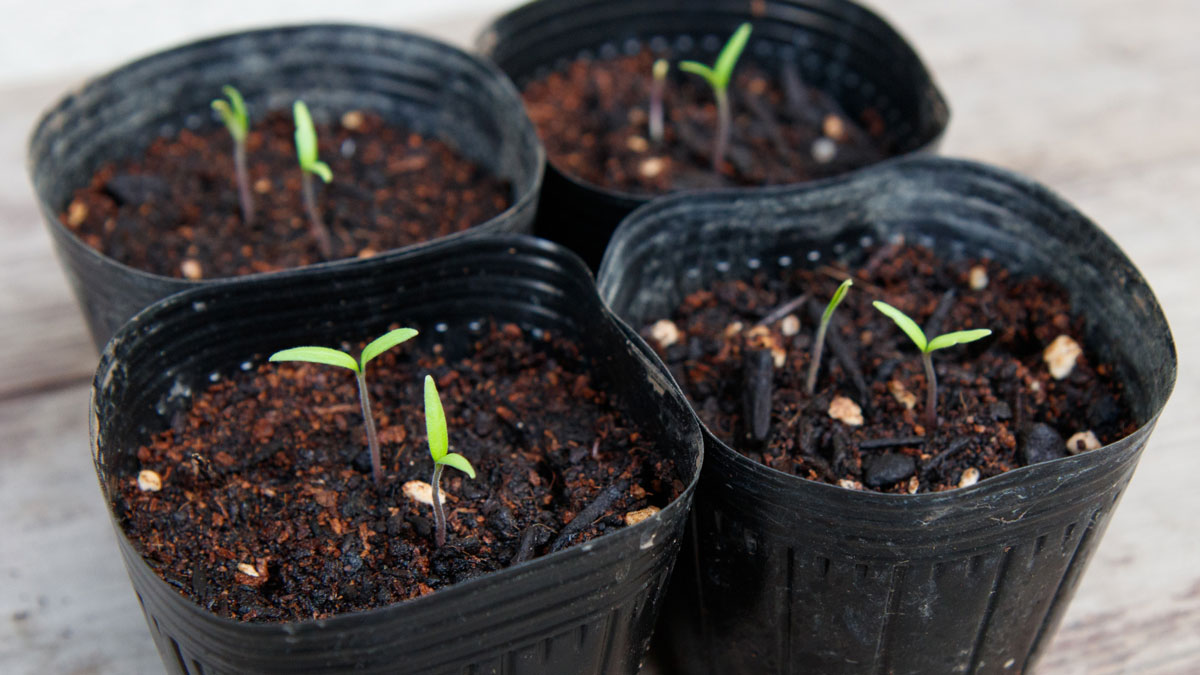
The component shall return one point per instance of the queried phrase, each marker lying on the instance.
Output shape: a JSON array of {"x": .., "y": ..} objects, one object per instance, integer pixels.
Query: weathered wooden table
[{"x": 1099, "y": 99}]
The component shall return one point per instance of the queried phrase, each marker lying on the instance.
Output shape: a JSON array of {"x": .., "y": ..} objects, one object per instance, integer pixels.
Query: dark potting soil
[
  {"x": 268, "y": 511},
  {"x": 175, "y": 210},
  {"x": 999, "y": 405},
  {"x": 593, "y": 119}
]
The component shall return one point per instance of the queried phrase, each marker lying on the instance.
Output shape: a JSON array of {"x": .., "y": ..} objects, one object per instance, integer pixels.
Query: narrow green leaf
[
  {"x": 435, "y": 421},
  {"x": 239, "y": 107},
  {"x": 306, "y": 136},
  {"x": 385, "y": 342},
  {"x": 697, "y": 68},
  {"x": 957, "y": 338},
  {"x": 227, "y": 117},
  {"x": 235, "y": 117},
  {"x": 322, "y": 170},
  {"x": 728, "y": 58},
  {"x": 836, "y": 299},
  {"x": 323, "y": 355},
  {"x": 459, "y": 462},
  {"x": 906, "y": 324}
]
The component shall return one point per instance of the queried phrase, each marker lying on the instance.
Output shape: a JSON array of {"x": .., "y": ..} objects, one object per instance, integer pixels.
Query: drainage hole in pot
[
  {"x": 785, "y": 261},
  {"x": 608, "y": 50},
  {"x": 684, "y": 43},
  {"x": 1067, "y": 535}
]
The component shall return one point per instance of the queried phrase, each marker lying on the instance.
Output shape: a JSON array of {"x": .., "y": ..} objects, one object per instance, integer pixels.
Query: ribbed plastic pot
[
  {"x": 585, "y": 609},
  {"x": 784, "y": 575},
  {"x": 838, "y": 46},
  {"x": 430, "y": 87}
]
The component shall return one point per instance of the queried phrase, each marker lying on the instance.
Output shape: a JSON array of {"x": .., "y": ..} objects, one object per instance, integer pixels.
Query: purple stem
[
  {"x": 439, "y": 515},
  {"x": 810, "y": 383},
  {"x": 724, "y": 122},
  {"x": 369, "y": 420},
  {"x": 243, "y": 182},
  {"x": 319, "y": 232},
  {"x": 656, "y": 110},
  {"x": 930, "y": 394}
]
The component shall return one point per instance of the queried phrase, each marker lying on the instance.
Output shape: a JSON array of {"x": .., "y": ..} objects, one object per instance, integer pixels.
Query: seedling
[
  {"x": 917, "y": 335},
  {"x": 237, "y": 121},
  {"x": 718, "y": 77},
  {"x": 335, "y": 357},
  {"x": 306, "y": 152},
  {"x": 439, "y": 444},
  {"x": 657, "y": 91},
  {"x": 810, "y": 384}
]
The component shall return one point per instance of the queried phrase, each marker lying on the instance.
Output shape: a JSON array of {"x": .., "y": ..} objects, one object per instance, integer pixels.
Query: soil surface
[
  {"x": 593, "y": 119},
  {"x": 999, "y": 405},
  {"x": 175, "y": 210},
  {"x": 268, "y": 511}
]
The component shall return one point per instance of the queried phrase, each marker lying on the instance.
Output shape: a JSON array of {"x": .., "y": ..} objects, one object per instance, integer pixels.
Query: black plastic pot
[
  {"x": 839, "y": 47},
  {"x": 784, "y": 575},
  {"x": 586, "y": 609},
  {"x": 430, "y": 87}
]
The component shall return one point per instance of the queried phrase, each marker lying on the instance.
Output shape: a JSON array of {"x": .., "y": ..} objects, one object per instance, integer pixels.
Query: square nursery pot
[
  {"x": 588, "y": 608},
  {"x": 835, "y": 46},
  {"x": 783, "y": 574},
  {"x": 428, "y": 87}
]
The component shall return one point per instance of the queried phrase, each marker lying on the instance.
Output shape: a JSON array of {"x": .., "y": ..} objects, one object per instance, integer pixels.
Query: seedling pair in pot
[
  {"x": 912, "y": 330},
  {"x": 435, "y": 416},
  {"x": 718, "y": 76},
  {"x": 237, "y": 121}
]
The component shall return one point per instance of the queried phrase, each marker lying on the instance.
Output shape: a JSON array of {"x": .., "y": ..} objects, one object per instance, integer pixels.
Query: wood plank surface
[{"x": 1099, "y": 99}]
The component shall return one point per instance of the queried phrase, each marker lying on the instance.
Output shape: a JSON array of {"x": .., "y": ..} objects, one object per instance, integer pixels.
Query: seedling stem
[
  {"x": 810, "y": 383},
  {"x": 657, "y": 91},
  {"x": 335, "y": 357},
  {"x": 718, "y": 77},
  {"x": 914, "y": 332},
  {"x": 237, "y": 121},
  {"x": 306, "y": 152},
  {"x": 439, "y": 444}
]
